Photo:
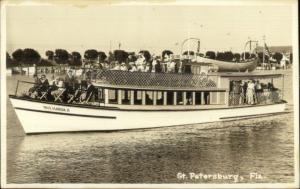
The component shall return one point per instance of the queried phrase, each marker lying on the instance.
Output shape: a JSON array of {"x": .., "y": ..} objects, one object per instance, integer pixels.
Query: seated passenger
[
  {"x": 117, "y": 67},
  {"x": 154, "y": 62},
  {"x": 59, "y": 89},
  {"x": 158, "y": 67},
  {"x": 44, "y": 83},
  {"x": 123, "y": 67},
  {"x": 88, "y": 93},
  {"x": 148, "y": 67},
  {"x": 70, "y": 79},
  {"x": 141, "y": 62},
  {"x": 171, "y": 67},
  {"x": 33, "y": 90},
  {"x": 133, "y": 68}
]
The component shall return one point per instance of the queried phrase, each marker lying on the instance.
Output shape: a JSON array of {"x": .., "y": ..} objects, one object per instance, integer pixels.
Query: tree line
[{"x": 30, "y": 57}]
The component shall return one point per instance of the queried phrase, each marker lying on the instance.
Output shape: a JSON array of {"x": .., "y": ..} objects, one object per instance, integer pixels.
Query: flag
[{"x": 266, "y": 51}]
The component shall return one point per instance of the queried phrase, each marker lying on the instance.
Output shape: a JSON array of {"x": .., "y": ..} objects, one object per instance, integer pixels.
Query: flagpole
[{"x": 264, "y": 38}]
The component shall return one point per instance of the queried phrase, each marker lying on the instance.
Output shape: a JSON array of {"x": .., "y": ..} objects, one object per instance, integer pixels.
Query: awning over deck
[{"x": 154, "y": 81}]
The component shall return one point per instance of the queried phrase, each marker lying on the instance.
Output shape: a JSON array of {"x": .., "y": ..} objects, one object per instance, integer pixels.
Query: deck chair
[
  {"x": 74, "y": 96},
  {"x": 88, "y": 98},
  {"x": 43, "y": 96},
  {"x": 58, "y": 97}
]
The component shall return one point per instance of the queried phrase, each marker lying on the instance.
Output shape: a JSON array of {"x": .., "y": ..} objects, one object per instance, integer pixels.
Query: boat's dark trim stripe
[{"x": 68, "y": 114}]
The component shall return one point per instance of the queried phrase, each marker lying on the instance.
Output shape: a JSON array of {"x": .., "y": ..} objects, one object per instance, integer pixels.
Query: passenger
[
  {"x": 44, "y": 84},
  {"x": 171, "y": 68},
  {"x": 171, "y": 65},
  {"x": 270, "y": 86},
  {"x": 148, "y": 67},
  {"x": 106, "y": 66},
  {"x": 154, "y": 62},
  {"x": 258, "y": 91},
  {"x": 244, "y": 88},
  {"x": 35, "y": 86},
  {"x": 251, "y": 92},
  {"x": 58, "y": 89},
  {"x": 158, "y": 67},
  {"x": 70, "y": 81},
  {"x": 88, "y": 93},
  {"x": 242, "y": 93},
  {"x": 141, "y": 62},
  {"x": 236, "y": 92},
  {"x": 117, "y": 67},
  {"x": 133, "y": 68},
  {"x": 54, "y": 84},
  {"x": 123, "y": 67}
]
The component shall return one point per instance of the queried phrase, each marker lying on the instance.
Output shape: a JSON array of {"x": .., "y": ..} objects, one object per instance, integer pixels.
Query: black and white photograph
[{"x": 149, "y": 94}]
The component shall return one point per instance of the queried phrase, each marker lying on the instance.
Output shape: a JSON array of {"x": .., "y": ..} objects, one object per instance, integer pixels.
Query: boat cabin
[{"x": 119, "y": 88}]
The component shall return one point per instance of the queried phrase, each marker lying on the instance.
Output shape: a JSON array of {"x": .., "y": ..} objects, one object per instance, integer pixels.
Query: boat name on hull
[{"x": 55, "y": 108}]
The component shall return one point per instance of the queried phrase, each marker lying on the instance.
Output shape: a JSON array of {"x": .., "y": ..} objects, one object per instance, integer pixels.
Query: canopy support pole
[
  {"x": 184, "y": 98},
  {"x": 154, "y": 97},
  {"x": 132, "y": 97},
  {"x": 165, "y": 98},
  {"x": 143, "y": 97},
  {"x": 119, "y": 96},
  {"x": 175, "y": 98},
  {"x": 202, "y": 97},
  {"x": 106, "y": 96},
  {"x": 194, "y": 98}
]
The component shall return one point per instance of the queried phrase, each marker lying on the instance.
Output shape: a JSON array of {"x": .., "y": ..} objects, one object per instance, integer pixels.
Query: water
[{"x": 263, "y": 145}]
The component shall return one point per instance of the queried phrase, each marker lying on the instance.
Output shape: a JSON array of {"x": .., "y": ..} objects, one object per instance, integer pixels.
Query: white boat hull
[{"x": 39, "y": 117}]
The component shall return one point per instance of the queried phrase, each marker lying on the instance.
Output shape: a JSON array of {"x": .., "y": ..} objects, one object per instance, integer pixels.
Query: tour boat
[{"x": 139, "y": 100}]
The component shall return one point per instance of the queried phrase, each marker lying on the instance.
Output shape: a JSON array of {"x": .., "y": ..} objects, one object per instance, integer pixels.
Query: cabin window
[
  {"x": 159, "y": 98},
  {"x": 170, "y": 98},
  {"x": 125, "y": 97},
  {"x": 149, "y": 97},
  {"x": 206, "y": 97},
  {"x": 179, "y": 98},
  {"x": 189, "y": 98},
  {"x": 198, "y": 98},
  {"x": 138, "y": 97}
]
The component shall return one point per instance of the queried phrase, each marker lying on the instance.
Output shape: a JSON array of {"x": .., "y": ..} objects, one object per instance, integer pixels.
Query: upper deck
[{"x": 213, "y": 81}]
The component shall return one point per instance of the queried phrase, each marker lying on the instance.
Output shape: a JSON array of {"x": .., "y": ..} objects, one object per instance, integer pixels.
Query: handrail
[{"x": 21, "y": 81}]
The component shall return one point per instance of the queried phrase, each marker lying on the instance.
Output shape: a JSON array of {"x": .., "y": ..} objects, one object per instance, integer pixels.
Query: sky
[{"x": 144, "y": 27}]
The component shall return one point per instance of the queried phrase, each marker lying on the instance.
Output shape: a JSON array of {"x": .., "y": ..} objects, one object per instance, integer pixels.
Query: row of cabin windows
[{"x": 137, "y": 97}]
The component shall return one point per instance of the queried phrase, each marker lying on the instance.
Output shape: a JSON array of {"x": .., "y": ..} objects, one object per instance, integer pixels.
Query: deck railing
[{"x": 150, "y": 79}]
